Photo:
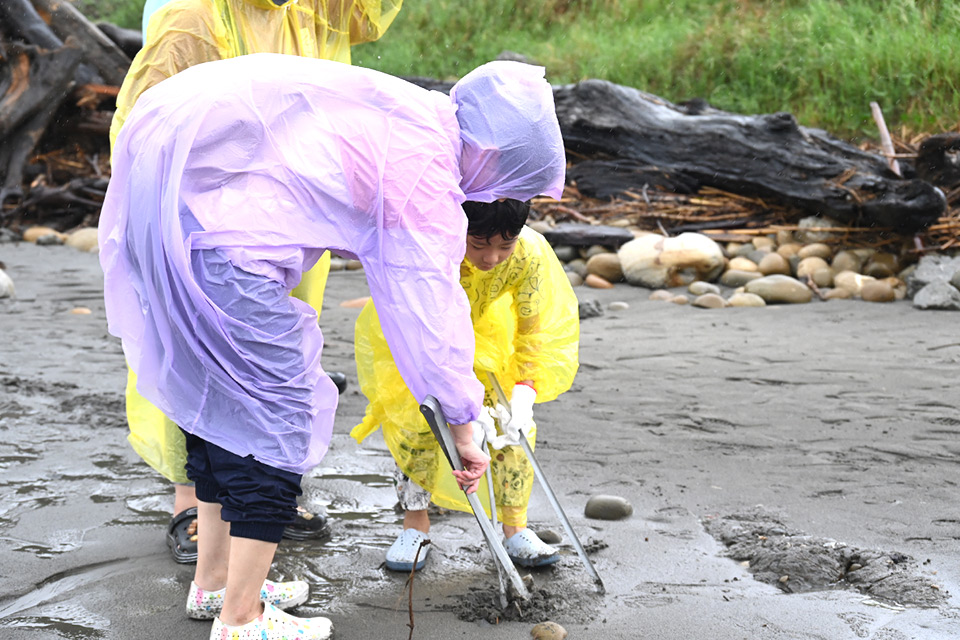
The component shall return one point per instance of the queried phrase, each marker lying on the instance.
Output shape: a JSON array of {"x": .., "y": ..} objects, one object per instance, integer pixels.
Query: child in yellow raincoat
[
  {"x": 184, "y": 33},
  {"x": 526, "y": 327}
]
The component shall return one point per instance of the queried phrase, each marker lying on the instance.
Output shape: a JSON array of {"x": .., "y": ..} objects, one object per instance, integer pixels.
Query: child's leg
[
  {"x": 514, "y": 519},
  {"x": 512, "y": 481},
  {"x": 414, "y": 500},
  {"x": 512, "y": 484},
  {"x": 408, "y": 551}
]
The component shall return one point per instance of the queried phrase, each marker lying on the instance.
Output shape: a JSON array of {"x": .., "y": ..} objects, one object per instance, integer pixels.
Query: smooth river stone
[
  {"x": 605, "y": 507},
  {"x": 548, "y": 630},
  {"x": 779, "y": 288}
]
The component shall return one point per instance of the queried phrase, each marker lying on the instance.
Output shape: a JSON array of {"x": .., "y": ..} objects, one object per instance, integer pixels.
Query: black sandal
[
  {"x": 182, "y": 536},
  {"x": 339, "y": 379},
  {"x": 308, "y": 526}
]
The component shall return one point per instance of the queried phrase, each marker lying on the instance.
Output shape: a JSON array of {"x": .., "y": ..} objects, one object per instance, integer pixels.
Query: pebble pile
[
  {"x": 786, "y": 268},
  {"x": 789, "y": 267}
]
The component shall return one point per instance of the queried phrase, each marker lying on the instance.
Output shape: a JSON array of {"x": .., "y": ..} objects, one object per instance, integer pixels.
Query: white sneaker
[
  {"x": 206, "y": 605},
  {"x": 274, "y": 624},
  {"x": 527, "y": 550},
  {"x": 402, "y": 552}
]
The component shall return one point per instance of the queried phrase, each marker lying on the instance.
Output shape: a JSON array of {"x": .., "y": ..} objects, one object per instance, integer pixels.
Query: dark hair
[{"x": 487, "y": 219}]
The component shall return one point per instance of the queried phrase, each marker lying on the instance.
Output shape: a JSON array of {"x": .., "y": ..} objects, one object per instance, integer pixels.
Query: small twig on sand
[
  {"x": 944, "y": 346},
  {"x": 413, "y": 572}
]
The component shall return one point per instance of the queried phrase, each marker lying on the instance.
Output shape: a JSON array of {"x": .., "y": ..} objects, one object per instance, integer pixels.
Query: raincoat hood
[{"x": 511, "y": 140}]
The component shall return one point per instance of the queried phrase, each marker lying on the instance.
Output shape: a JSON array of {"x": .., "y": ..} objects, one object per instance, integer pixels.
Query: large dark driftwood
[
  {"x": 606, "y": 179},
  {"x": 21, "y": 19},
  {"x": 938, "y": 160},
  {"x": 16, "y": 151},
  {"x": 768, "y": 156},
  {"x": 32, "y": 87},
  {"x": 98, "y": 49},
  {"x": 30, "y": 79},
  {"x": 129, "y": 41}
]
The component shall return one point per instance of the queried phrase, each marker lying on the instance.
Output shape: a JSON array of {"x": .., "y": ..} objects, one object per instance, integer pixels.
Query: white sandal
[
  {"x": 527, "y": 550},
  {"x": 402, "y": 552}
]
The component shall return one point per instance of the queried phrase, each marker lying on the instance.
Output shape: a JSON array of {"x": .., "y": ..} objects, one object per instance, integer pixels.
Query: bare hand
[{"x": 475, "y": 461}]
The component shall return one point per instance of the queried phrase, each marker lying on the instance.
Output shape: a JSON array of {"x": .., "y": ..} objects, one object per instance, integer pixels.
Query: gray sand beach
[{"x": 823, "y": 435}]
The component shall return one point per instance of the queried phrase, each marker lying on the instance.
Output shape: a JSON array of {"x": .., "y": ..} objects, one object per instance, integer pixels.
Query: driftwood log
[
  {"x": 98, "y": 50},
  {"x": 59, "y": 74},
  {"x": 31, "y": 78},
  {"x": 767, "y": 156},
  {"x": 938, "y": 160},
  {"x": 128, "y": 40},
  {"x": 23, "y": 23},
  {"x": 32, "y": 87}
]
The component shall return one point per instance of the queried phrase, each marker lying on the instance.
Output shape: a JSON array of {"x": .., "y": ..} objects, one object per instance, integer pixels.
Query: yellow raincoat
[
  {"x": 184, "y": 33},
  {"x": 527, "y": 327}
]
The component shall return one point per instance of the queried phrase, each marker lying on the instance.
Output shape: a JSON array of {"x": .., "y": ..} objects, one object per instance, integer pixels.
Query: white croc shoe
[
  {"x": 402, "y": 552},
  {"x": 274, "y": 624},
  {"x": 527, "y": 550},
  {"x": 206, "y": 605}
]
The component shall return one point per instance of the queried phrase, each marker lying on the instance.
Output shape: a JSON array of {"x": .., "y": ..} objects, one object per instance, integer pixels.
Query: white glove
[
  {"x": 502, "y": 415},
  {"x": 521, "y": 413},
  {"x": 484, "y": 426}
]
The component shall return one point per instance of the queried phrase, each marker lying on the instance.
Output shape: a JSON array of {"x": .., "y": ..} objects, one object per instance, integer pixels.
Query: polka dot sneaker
[
  {"x": 274, "y": 624},
  {"x": 206, "y": 605}
]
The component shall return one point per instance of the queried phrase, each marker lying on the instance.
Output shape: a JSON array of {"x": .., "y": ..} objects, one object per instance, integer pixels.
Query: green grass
[
  {"x": 123, "y": 13},
  {"x": 822, "y": 60}
]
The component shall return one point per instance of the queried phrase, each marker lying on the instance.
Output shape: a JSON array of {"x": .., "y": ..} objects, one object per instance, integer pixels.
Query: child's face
[{"x": 486, "y": 253}]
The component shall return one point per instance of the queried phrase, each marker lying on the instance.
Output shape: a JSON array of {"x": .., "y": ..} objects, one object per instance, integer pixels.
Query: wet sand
[{"x": 841, "y": 418}]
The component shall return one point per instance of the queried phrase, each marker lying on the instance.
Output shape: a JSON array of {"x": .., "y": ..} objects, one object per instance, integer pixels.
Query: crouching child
[{"x": 526, "y": 327}]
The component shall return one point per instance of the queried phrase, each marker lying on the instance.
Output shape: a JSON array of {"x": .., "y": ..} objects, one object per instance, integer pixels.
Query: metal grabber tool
[
  {"x": 551, "y": 496},
  {"x": 438, "y": 424}
]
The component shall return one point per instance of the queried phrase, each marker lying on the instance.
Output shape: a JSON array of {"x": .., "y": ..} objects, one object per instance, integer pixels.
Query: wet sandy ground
[{"x": 841, "y": 417}]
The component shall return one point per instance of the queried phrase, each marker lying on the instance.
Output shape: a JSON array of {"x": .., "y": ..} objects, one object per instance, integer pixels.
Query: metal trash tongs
[
  {"x": 551, "y": 496},
  {"x": 438, "y": 424}
]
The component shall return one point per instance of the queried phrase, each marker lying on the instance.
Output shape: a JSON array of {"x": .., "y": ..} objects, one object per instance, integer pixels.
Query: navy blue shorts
[{"x": 257, "y": 500}]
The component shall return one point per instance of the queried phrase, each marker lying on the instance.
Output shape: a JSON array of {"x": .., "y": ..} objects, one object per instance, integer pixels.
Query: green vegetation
[
  {"x": 823, "y": 60},
  {"x": 123, "y": 13}
]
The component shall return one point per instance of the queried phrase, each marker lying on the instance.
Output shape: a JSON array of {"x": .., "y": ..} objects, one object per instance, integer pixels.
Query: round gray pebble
[
  {"x": 603, "y": 507},
  {"x": 550, "y": 536}
]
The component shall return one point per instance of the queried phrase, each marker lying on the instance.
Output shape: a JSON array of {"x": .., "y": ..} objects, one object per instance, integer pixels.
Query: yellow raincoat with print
[
  {"x": 526, "y": 326},
  {"x": 184, "y": 33}
]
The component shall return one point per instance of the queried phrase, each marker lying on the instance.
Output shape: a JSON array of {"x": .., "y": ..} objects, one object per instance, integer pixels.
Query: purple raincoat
[{"x": 231, "y": 178}]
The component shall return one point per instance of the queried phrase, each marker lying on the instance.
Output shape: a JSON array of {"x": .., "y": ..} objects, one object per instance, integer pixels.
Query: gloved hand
[
  {"x": 484, "y": 426},
  {"x": 521, "y": 413}
]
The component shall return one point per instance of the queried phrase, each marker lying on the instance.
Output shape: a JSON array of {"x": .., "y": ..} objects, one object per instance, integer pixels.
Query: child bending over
[{"x": 526, "y": 327}]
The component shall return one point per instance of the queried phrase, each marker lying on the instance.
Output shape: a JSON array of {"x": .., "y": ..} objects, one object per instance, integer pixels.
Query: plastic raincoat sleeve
[
  {"x": 424, "y": 314},
  {"x": 184, "y": 33}
]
